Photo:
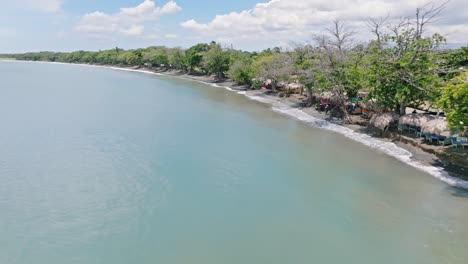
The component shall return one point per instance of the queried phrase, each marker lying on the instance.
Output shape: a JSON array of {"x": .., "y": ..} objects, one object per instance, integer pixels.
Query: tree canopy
[{"x": 454, "y": 101}]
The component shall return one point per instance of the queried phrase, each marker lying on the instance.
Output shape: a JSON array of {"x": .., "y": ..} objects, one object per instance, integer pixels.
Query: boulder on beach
[
  {"x": 268, "y": 84},
  {"x": 294, "y": 88},
  {"x": 281, "y": 86}
]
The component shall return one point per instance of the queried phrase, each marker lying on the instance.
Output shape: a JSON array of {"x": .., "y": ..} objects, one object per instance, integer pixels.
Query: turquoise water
[{"x": 103, "y": 166}]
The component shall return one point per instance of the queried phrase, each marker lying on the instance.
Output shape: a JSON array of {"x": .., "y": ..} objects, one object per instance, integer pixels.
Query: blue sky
[{"x": 64, "y": 25}]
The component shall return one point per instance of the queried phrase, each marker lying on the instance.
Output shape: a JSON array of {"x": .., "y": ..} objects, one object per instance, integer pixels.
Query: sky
[{"x": 67, "y": 25}]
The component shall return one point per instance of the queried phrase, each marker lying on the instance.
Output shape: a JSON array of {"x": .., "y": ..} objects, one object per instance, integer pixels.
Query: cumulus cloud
[
  {"x": 41, "y": 5},
  {"x": 128, "y": 21},
  {"x": 284, "y": 20}
]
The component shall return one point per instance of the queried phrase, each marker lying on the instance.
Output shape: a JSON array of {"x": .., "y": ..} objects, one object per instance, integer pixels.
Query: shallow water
[{"x": 102, "y": 166}]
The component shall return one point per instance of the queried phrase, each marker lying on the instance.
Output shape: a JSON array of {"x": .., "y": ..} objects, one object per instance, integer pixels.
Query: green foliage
[
  {"x": 216, "y": 60},
  {"x": 160, "y": 59},
  {"x": 451, "y": 62},
  {"x": 454, "y": 101},
  {"x": 256, "y": 84},
  {"x": 194, "y": 56},
  {"x": 353, "y": 72},
  {"x": 404, "y": 74},
  {"x": 134, "y": 57},
  {"x": 156, "y": 56},
  {"x": 176, "y": 59},
  {"x": 242, "y": 71}
]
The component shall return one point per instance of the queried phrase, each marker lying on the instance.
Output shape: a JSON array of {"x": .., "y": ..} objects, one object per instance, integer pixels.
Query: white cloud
[
  {"x": 280, "y": 21},
  {"x": 128, "y": 21},
  {"x": 41, "y": 5},
  {"x": 170, "y": 36},
  {"x": 170, "y": 7},
  {"x": 135, "y": 30}
]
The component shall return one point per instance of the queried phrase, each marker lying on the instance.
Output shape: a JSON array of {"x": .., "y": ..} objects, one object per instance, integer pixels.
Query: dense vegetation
[{"x": 402, "y": 66}]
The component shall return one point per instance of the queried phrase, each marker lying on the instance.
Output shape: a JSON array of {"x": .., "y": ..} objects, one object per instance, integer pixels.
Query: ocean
[{"x": 106, "y": 166}]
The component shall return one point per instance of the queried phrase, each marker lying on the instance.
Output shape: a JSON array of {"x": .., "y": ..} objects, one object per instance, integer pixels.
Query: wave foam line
[{"x": 227, "y": 88}]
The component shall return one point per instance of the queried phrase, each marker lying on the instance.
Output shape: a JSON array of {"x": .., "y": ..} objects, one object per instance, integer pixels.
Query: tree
[
  {"x": 134, "y": 57},
  {"x": 452, "y": 62},
  {"x": 402, "y": 66},
  {"x": 176, "y": 59},
  {"x": 305, "y": 68},
  {"x": 216, "y": 61},
  {"x": 454, "y": 101},
  {"x": 333, "y": 59},
  {"x": 194, "y": 56},
  {"x": 156, "y": 56},
  {"x": 160, "y": 58},
  {"x": 241, "y": 71},
  {"x": 276, "y": 67},
  {"x": 89, "y": 57}
]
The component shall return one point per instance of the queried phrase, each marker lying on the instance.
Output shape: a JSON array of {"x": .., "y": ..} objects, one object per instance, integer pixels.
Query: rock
[
  {"x": 281, "y": 86},
  {"x": 268, "y": 84},
  {"x": 295, "y": 88}
]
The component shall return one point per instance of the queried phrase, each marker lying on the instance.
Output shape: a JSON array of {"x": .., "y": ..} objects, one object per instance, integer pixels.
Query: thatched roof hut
[
  {"x": 437, "y": 126},
  {"x": 417, "y": 120},
  {"x": 382, "y": 120}
]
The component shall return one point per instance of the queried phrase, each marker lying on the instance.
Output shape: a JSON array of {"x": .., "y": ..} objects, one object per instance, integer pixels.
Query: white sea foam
[
  {"x": 219, "y": 86},
  {"x": 386, "y": 147}
]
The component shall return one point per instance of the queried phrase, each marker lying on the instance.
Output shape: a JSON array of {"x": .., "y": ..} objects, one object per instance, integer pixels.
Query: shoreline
[{"x": 404, "y": 152}]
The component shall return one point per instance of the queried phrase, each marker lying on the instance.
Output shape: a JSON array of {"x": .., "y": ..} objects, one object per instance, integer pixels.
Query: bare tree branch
[{"x": 376, "y": 25}]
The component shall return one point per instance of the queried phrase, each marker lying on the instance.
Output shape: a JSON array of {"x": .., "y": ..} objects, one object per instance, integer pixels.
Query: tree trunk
[
  {"x": 402, "y": 110},
  {"x": 273, "y": 86},
  {"x": 308, "y": 102},
  {"x": 346, "y": 117},
  {"x": 342, "y": 113}
]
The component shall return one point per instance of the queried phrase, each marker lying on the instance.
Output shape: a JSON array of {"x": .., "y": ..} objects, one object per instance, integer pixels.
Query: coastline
[{"x": 403, "y": 152}]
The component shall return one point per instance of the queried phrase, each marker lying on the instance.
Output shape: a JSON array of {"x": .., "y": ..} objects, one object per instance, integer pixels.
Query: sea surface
[{"x": 105, "y": 166}]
